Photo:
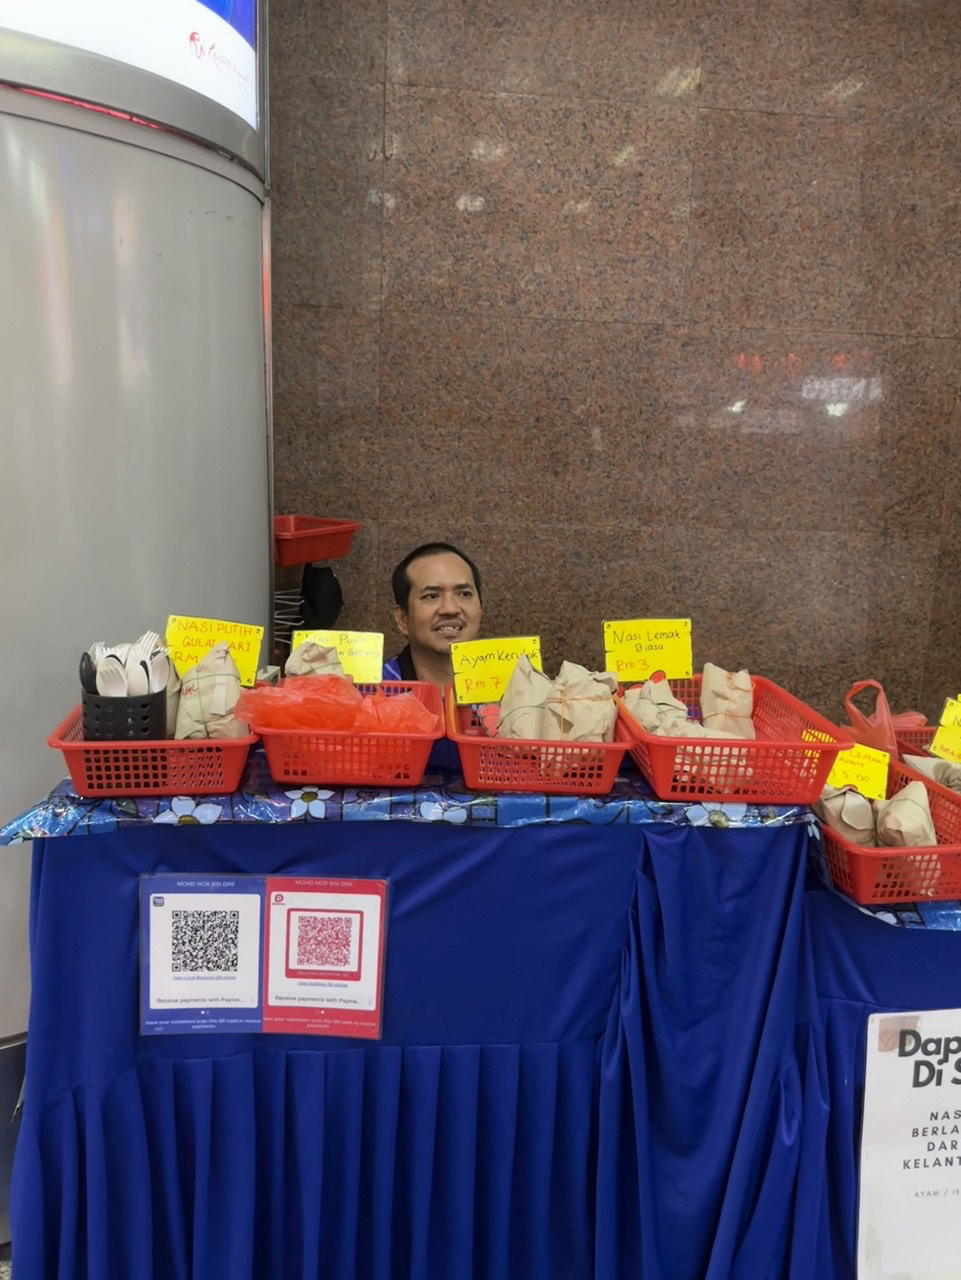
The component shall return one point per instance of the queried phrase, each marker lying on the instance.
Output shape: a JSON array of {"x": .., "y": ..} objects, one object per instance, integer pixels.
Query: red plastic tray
[
  {"x": 915, "y": 742},
  {"x": 150, "y": 767},
  {"x": 876, "y": 875},
  {"x": 519, "y": 764},
  {"x": 301, "y": 539},
  {"x": 359, "y": 759},
  {"x": 787, "y": 763}
]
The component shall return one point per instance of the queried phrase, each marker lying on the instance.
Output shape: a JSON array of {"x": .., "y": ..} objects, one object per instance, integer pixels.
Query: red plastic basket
[
  {"x": 150, "y": 767},
  {"x": 519, "y": 764},
  {"x": 301, "y": 539},
  {"x": 340, "y": 756},
  {"x": 787, "y": 763},
  {"x": 902, "y": 875},
  {"x": 916, "y": 742}
]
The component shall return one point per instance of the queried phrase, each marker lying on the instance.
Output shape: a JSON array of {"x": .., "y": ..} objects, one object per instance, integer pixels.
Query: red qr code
[{"x": 324, "y": 941}]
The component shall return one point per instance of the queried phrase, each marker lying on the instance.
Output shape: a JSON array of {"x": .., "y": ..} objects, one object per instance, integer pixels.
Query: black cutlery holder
[{"x": 120, "y": 719}]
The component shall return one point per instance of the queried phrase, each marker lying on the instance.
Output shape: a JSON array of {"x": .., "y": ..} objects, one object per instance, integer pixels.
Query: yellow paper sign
[
  {"x": 482, "y": 668},
  {"x": 635, "y": 649},
  {"x": 190, "y": 639},
  {"x": 946, "y": 742},
  {"x": 361, "y": 653},
  {"x": 864, "y": 768}
]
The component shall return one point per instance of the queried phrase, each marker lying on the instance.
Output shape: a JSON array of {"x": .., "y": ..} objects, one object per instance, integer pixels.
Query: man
[{"x": 437, "y": 595}]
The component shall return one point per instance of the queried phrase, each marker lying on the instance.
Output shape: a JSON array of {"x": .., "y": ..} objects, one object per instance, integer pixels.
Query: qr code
[
  {"x": 204, "y": 941},
  {"x": 324, "y": 941}
]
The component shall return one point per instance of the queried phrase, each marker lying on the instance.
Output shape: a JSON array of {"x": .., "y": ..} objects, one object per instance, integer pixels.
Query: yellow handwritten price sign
[
  {"x": 946, "y": 742},
  {"x": 361, "y": 653},
  {"x": 635, "y": 649},
  {"x": 190, "y": 639},
  {"x": 482, "y": 668},
  {"x": 863, "y": 768}
]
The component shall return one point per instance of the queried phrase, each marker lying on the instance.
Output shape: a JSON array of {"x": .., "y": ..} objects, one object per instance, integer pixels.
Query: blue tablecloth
[
  {"x": 614, "y": 1046},
  {"x": 441, "y": 797}
]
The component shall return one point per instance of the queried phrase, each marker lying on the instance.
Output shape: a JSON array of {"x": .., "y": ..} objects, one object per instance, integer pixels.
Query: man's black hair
[{"x": 401, "y": 583}]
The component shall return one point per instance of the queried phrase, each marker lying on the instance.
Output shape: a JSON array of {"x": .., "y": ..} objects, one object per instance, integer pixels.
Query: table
[{"x": 620, "y": 1040}]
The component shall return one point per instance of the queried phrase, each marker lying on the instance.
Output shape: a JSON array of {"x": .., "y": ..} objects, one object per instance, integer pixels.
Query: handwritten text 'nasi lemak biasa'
[{"x": 636, "y": 648}]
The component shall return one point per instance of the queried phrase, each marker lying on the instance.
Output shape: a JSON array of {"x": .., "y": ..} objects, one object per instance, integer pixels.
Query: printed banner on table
[
  {"x": 909, "y": 1223},
  {"x": 361, "y": 653},
  {"x": 200, "y": 953},
  {"x": 637, "y": 648},
  {"x": 482, "y": 668},
  {"x": 261, "y": 953},
  {"x": 189, "y": 640}
]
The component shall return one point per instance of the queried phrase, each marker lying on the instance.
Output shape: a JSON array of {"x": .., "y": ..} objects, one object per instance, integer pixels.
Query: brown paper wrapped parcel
[
  {"x": 657, "y": 711},
  {"x": 943, "y": 771},
  {"x": 310, "y": 659},
  {"x": 847, "y": 812},
  {"x": 727, "y": 701},
  {"x": 580, "y": 706},
  {"x": 905, "y": 820},
  {"x": 522, "y": 705},
  {"x": 208, "y": 695}
]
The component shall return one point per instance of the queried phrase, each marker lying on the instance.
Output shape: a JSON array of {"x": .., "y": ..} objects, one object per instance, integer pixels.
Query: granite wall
[{"x": 652, "y": 305}]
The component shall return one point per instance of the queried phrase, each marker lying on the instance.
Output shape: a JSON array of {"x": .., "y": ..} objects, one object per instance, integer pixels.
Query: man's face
[{"x": 443, "y": 604}]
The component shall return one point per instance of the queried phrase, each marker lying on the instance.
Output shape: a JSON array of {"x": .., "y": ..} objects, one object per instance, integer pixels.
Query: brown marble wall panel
[
  {"x": 326, "y": 376},
  {"x": 776, "y": 220},
  {"x": 836, "y": 58},
  {"x": 573, "y": 48},
  {"x": 653, "y": 307},
  {"x": 535, "y": 205},
  {"x": 941, "y": 654},
  {"x": 911, "y": 193},
  {"x": 327, "y": 166},
  {"x": 337, "y": 39}
]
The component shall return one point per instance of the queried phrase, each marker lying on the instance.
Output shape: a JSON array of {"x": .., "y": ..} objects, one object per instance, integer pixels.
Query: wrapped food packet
[
  {"x": 655, "y": 708},
  {"x": 943, "y": 771},
  {"x": 208, "y": 696},
  {"x": 173, "y": 700},
  {"x": 657, "y": 711},
  {"x": 580, "y": 706},
  {"x": 847, "y": 812},
  {"x": 310, "y": 659},
  {"x": 727, "y": 701},
  {"x": 905, "y": 820},
  {"x": 522, "y": 705}
]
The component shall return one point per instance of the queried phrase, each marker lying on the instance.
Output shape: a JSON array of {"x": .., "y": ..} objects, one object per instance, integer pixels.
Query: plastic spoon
[
  {"x": 138, "y": 678},
  {"x": 88, "y": 673},
  {"x": 159, "y": 671}
]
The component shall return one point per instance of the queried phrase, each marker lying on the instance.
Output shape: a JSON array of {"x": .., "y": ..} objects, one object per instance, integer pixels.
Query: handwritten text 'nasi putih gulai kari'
[{"x": 190, "y": 639}]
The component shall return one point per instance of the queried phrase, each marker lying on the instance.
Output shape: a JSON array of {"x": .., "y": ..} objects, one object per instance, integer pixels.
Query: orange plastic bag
[
  {"x": 878, "y": 728},
  {"x": 398, "y": 713},
  {"x": 332, "y": 702},
  {"x": 302, "y": 702}
]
